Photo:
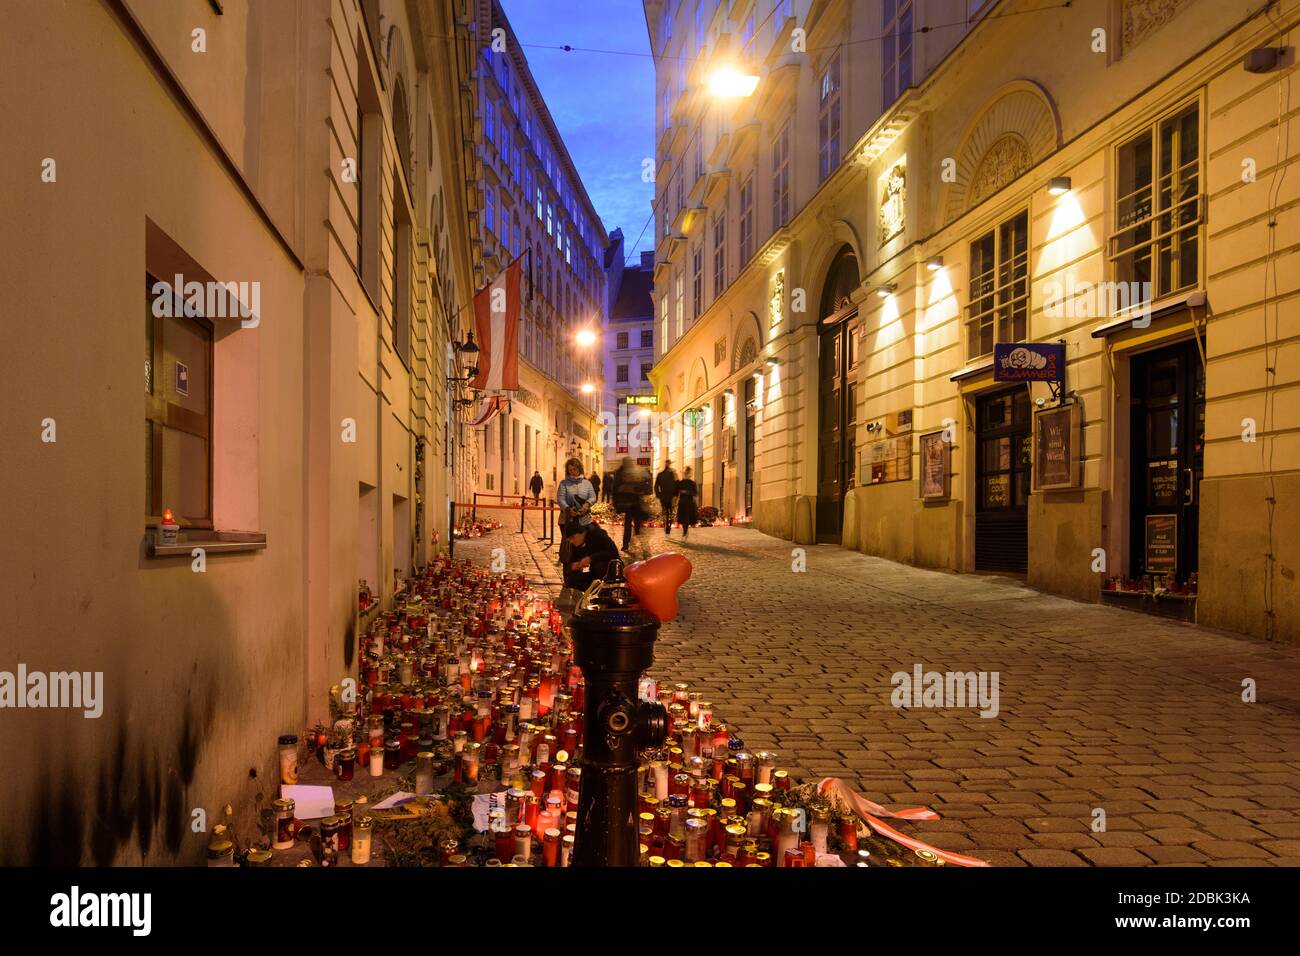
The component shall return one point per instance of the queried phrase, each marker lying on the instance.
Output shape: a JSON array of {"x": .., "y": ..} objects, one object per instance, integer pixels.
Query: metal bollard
[{"x": 613, "y": 641}]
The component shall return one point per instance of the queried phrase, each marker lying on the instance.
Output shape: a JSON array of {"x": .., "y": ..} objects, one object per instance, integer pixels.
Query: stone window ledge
[{"x": 212, "y": 542}]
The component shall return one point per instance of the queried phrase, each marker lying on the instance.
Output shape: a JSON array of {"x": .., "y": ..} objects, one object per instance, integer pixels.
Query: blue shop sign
[{"x": 1028, "y": 362}]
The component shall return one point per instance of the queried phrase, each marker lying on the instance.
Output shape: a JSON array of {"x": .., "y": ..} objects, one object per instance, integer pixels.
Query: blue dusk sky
[{"x": 602, "y": 103}]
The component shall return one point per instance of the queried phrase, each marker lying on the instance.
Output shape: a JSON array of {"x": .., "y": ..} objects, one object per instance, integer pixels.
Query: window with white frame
[
  {"x": 489, "y": 119},
  {"x": 697, "y": 281},
  {"x": 828, "y": 120},
  {"x": 489, "y": 209},
  {"x": 719, "y": 251},
  {"x": 622, "y": 340},
  {"x": 681, "y": 305},
  {"x": 999, "y": 287},
  {"x": 746, "y": 221},
  {"x": 1159, "y": 212},
  {"x": 663, "y": 321},
  {"x": 647, "y": 338},
  {"x": 781, "y": 178},
  {"x": 896, "y": 49}
]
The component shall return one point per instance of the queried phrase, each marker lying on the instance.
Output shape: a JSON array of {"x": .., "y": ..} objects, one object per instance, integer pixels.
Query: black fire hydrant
[{"x": 613, "y": 640}]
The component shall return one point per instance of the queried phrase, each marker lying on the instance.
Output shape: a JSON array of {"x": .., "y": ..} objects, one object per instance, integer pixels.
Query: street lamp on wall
[
  {"x": 730, "y": 82},
  {"x": 1059, "y": 185}
]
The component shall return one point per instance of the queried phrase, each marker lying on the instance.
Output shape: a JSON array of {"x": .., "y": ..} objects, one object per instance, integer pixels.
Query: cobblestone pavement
[{"x": 1100, "y": 708}]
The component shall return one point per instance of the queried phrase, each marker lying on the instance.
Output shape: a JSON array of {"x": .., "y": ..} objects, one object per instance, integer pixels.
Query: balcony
[
  {"x": 716, "y": 186},
  {"x": 887, "y": 128},
  {"x": 826, "y": 20},
  {"x": 744, "y": 142},
  {"x": 782, "y": 33},
  {"x": 776, "y": 92},
  {"x": 669, "y": 248},
  {"x": 692, "y": 217}
]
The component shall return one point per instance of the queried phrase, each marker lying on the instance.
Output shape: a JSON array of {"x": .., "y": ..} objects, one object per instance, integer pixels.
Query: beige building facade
[
  {"x": 1107, "y": 179},
  {"x": 530, "y": 202},
  {"x": 303, "y": 433}
]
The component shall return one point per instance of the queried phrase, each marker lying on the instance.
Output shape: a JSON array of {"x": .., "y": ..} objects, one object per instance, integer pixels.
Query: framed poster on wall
[
  {"x": 936, "y": 466},
  {"x": 1057, "y": 451}
]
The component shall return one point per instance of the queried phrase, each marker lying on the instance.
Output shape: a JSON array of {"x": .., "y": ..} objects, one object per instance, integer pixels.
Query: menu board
[
  {"x": 1162, "y": 544},
  {"x": 1056, "y": 460},
  {"x": 936, "y": 459},
  {"x": 891, "y": 460}
]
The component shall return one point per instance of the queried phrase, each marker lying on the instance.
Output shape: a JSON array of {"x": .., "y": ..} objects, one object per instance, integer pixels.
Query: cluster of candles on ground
[{"x": 473, "y": 680}]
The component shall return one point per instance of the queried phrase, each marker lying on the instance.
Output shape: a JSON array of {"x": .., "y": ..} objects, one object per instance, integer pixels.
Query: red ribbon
[{"x": 869, "y": 810}]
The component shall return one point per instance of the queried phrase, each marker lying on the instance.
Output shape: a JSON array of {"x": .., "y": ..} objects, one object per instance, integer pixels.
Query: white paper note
[{"x": 310, "y": 802}]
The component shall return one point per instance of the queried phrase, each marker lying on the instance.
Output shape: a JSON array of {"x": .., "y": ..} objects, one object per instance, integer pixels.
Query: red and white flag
[
  {"x": 496, "y": 317},
  {"x": 493, "y": 406}
]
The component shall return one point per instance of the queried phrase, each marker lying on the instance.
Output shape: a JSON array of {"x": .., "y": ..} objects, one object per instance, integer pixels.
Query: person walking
[
  {"x": 595, "y": 482},
  {"x": 687, "y": 507},
  {"x": 535, "y": 485},
  {"x": 666, "y": 492},
  {"x": 608, "y": 485},
  {"x": 631, "y": 483},
  {"x": 575, "y": 497}
]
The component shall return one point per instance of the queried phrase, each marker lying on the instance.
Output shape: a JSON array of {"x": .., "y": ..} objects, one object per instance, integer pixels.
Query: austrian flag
[{"x": 496, "y": 317}]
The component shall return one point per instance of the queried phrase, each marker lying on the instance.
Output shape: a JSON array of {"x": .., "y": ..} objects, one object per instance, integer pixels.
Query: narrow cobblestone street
[{"x": 1100, "y": 709}]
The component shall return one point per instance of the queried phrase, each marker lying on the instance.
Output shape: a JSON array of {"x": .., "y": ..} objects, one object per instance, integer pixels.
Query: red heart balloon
[{"x": 655, "y": 582}]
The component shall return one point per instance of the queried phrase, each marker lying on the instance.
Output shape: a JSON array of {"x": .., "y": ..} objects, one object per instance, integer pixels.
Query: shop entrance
[
  {"x": 1168, "y": 429},
  {"x": 1003, "y": 455},
  {"x": 751, "y": 420},
  {"x": 836, "y": 395}
]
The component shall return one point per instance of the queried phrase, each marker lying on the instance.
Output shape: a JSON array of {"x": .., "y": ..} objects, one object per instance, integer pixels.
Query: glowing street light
[
  {"x": 588, "y": 388},
  {"x": 586, "y": 338},
  {"x": 728, "y": 82}
]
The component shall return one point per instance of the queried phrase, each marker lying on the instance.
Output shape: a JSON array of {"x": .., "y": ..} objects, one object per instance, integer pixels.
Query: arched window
[{"x": 841, "y": 280}]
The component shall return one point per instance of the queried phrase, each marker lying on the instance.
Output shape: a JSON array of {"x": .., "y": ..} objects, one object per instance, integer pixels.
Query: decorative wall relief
[
  {"x": 1141, "y": 18},
  {"x": 893, "y": 202},
  {"x": 1005, "y": 161}
]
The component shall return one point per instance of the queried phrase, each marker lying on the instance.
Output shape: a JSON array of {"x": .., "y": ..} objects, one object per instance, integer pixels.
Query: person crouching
[{"x": 590, "y": 551}]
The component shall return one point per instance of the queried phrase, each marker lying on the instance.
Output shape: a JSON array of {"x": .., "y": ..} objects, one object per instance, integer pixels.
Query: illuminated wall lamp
[
  {"x": 886, "y": 290},
  {"x": 772, "y": 363},
  {"x": 1059, "y": 185},
  {"x": 935, "y": 263}
]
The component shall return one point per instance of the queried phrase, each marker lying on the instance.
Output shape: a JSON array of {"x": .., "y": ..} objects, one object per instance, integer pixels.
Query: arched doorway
[{"x": 836, "y": 393}]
